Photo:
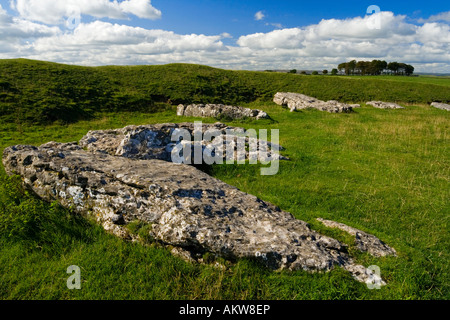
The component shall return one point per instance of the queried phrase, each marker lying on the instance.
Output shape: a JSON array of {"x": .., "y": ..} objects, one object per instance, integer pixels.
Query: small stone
[
  {"x": 365, "y": 242},
  {"x": 441, "y": 106},
  {"x": 384, "y": 105}
]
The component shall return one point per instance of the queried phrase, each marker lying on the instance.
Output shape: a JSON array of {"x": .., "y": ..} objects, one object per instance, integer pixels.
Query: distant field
[
  {"x": 386, "y": 172},
  {"x": 437, "y": 80}
]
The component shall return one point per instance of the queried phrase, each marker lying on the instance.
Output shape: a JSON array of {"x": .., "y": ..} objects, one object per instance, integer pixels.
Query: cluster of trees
[{"x": 375, "y": 67}]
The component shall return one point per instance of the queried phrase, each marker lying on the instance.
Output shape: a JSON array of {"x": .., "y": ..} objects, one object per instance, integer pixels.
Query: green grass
[
  {"x": 383, "y": 171},
  {"x": 43, "y": 92},
  {"x": 435, "y": 80}
]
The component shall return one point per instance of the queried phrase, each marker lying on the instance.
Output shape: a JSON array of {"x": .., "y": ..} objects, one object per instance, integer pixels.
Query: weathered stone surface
[
  {"x": 297, "y": 101},
  {"x": 364, "y": 241},
  {"x": 155, "y": 142},
  {"x": 441, "y": 106},
  {"x": 384, "y": 105},
  {"x": 217, "y": 110},
  {"x": 185, "y": 207}
]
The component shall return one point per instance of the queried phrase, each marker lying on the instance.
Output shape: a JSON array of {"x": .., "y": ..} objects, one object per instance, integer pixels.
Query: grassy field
[
  {"x": 383, "y": 171},
  {"x": 435, "y": 80},
  {"x": 42, "y": 92}
]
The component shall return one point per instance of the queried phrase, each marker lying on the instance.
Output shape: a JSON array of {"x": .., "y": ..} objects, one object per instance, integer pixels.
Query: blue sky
[
  {"x": 254, "y": 35},
  {"x": 237, "y": 17}
]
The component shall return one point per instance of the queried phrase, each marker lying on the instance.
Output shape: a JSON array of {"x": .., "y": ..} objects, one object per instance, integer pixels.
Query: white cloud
[
  {"x": 259, "y": 16},
  {"x": 333, "y": 40},
  {"x": 56, "y": 11},
  {"x": 285, "y": 38},
  {"x": 364, "y": 28},
  {"x": 349, "y": 30},
  {"x": 317, "y": 46},
  {"x": 14, "y": 30},
  {"x": 226, "y": 35},
  {"x": 140, "y": 8},
  {"x": 274, "y": 24},
  {"x": 443, "y": 16},
  {"x": 100, "y": 43},
  {"x": 434, "y": 33},
  {"x": 4, "y": 18}
]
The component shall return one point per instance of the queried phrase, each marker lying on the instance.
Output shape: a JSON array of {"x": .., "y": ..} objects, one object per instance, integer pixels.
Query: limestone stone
[
  {"x": 442, "y": 106},
  {"x": 384, "y": 105},
  {"x": 297, "y": 101},
  {"x": 155, "y": 142},
  {"x": 184, "y": 207},
  {"x": 217, "y": 110},
  {"x": 364, "y": 241}
]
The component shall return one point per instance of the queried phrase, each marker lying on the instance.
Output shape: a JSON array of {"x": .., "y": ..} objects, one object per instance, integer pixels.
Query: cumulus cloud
[
  {"x": 259, "y": 16},
  {"x": 434, "y": 33},
  {"x": 13, "y": 31},
  {"x": 56, "y": 11},
  {"x": 140, "y": 8},
  {"x": 100, "y": 34},
  {"x": 443, "y": 16},
  {"x": 349, "y": 30},
  {"x": 286, "y": 38},
  {"x": 99, "y": 43},
  {"x": 317, "y": 46},
  {"x": 4, "y": 16},
  {"x": 226, "y": 35},
  {"x": 333, "y": 40}
]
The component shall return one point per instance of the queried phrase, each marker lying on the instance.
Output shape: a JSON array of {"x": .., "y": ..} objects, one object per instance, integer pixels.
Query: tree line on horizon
[{"x": 375, "y": 67}]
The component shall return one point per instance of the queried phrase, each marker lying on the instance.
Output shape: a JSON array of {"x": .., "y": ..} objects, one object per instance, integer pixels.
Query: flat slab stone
[
  {"x": 184, "y": 207},
  {"x": 442, "y": 106},
  {"x": 217, "y": 110},
  {"x": 297, "y": 101},
  {"x": 364, "y": 241},
  {"x": 384, "y": 105},
  {"x": 155, "y": 142}
]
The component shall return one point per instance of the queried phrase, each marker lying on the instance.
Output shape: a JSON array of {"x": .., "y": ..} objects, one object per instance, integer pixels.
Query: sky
[{"x": 240, "y": 35}]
